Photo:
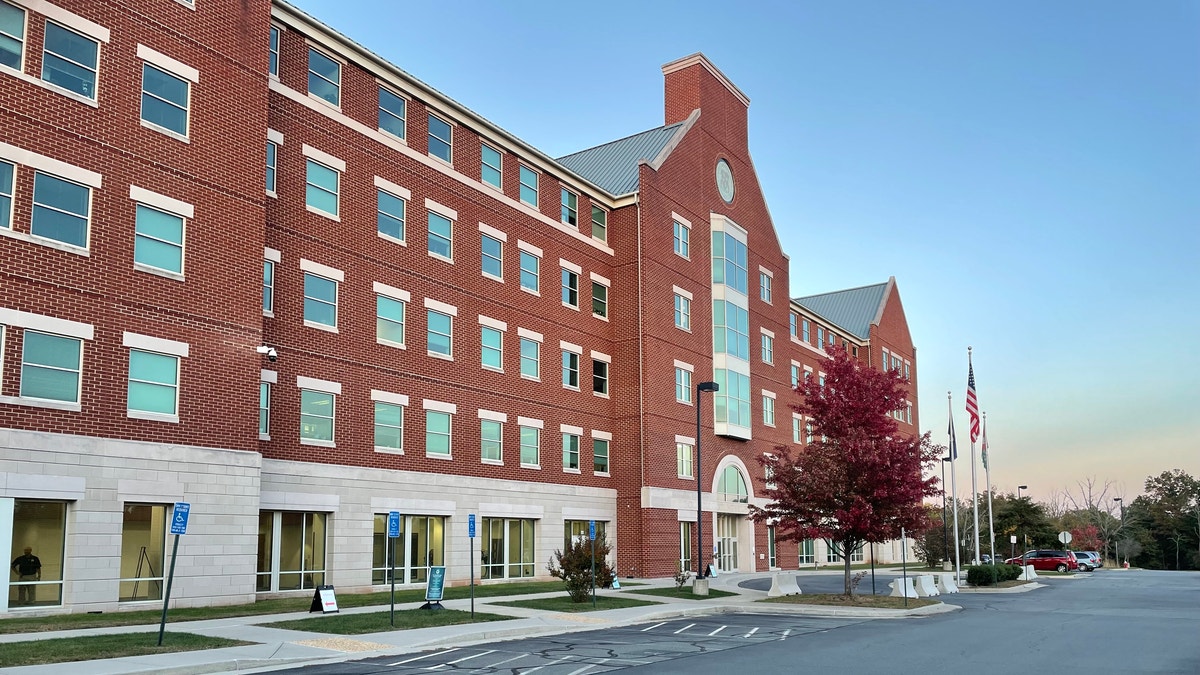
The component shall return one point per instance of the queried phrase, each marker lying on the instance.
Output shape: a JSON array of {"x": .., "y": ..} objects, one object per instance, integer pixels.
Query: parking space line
[
  {"x": 717, "y": 631},
  {"x": 786, "y": 633},
  {"x": 654, "y": 626},
  {"x": 752, "y": 632},
  {"x": 418, "y": 658},
  {"x": 684, "y": 628},
  {"x": 552, "y": 663},
  {"x": 489, "y": 666},
  {"x": 584, "y": 669},
  {"x": 465, "y": 658}
]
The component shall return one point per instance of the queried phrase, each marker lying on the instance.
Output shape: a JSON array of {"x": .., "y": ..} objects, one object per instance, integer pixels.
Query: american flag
[
  {"x": 972, "y": 403},
  {"x": 985, "y": 466},
  {"x": 953, "y": 442}
]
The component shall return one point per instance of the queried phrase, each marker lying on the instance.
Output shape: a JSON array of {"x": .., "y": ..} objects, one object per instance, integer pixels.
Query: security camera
[{"x": 272, "y": 355}]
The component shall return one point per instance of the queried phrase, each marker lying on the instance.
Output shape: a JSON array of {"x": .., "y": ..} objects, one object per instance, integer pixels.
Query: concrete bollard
[
  {"x": 945, "y": 582},
  {"x": 924, "y": 586},
  {"x": 1028, "y": 573},
  {"x": 901, "y": 589},
  {"x": 783, "y": 583}
]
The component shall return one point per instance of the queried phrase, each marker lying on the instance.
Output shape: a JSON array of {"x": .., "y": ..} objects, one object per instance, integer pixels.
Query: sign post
[
  {"x": 179, "y": 521},
  {"x": 393, "y": 524},
  {"x": 471, "y": 538},
  {"x": 592, "y": 536}
]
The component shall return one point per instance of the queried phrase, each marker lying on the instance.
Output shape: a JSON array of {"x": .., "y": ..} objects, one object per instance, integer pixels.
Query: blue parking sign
[
  {"x": 179, "y": 518},
  {"x": 393, "y": 524},
  {"x": 592, "y": 530},
  {"x": 471, "y": 525}
]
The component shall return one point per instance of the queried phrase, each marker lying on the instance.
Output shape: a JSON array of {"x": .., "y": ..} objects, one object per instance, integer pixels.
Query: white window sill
[
  {"x": 570, "y": 306},
  {"x": 532, "y": 292},
  {"x": 324, "y": 214},
  {"x": 447, "y": 162},
  {"x": 389, "y": 451},
  {"x": 687, "y": 403},
  {"x": 268, "y": 314},
  {"x": 165, "y": 131},
  {"x": 566, "y": 470},
  {"x": 391, "y": 239},
  {"x": 186, "y": 3},
  {"x": 570, "y": 388},
  {"x": 438, "y": 456},
  {"x": 41, "y": 403},
  {"x": 48, "y": 243},
  {"x": 392, "y": 136},
  {"x": 389, "y": 343},
  {"x": 493, "y": 277},
  {"x": 151, "y": 416},
  {"x": 682, "y": 328},
  {"x": 687, "y": 258},
  {"x": 603, "y": 474},
  {"x": 683, "y": 477},
  {"x": 493, "y": 369},
  {"x": 318, "y": 443},
  {"x": 493, "y": 462},
  {"x": 320, "y": 326},
  {"x": 264, "y": 437},
  {"x": 535, "y": 467},
  {"x": 497, "y": 188},
  {"x": 439, "y": 355},
  {"x": 603, "y": 317},
  {"x": 166, "y": 274},
  {"x": 439, "y": 256},
  {"x": 327, "y": 104},
  {"x": 600, "y": 394},
  {"x": 49, "y": 87},
  {"x": 530, "y": 378},
  {"x": 272, "y": 194},
  {"x": 532, "y": 206}
]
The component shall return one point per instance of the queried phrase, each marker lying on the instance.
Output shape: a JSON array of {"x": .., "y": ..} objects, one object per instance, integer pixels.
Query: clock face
[{"x": 725, "y": 181}]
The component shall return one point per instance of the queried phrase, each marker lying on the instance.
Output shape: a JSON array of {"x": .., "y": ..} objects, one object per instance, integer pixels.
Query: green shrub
[
  {"x": 1009, "y": 572},
  {"x": 982, "y": 575},
  {"x": 574, "y": 567}
]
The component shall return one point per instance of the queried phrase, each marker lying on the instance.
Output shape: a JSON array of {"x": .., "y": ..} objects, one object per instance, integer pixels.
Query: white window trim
[
  {"x": 568, "y": 265},
  {"x": 442, "y": 307},
  {"x": 488, "y": 321},
  {"x": 601, "y": 356},
  {"x": 532, "y": 335},
  {"x": 680, "y": 291},
  {"x": 323, "y": 386},
  {"x": 439, "y": 406},
  {"x": 50, "y": 165},
  {"x": 62, "y": 16},
  {"x": 275, "y": 137},
  {"x": 492, "y": 415},
  {"x": 322, "y": 270},
  {"x": 493, "y": 232},
  {"x": 396, "y": 190},
  {"x": 686, "y": 366},
  {"x": 429, "y": 134},
  {"x": 274, "y": 255},
  {"x": 324, "y": 158},
  {"x": 391, "y": 292},
  {"x": 153, "y": 344},
  {"x": 161, "y": 202},
  {"x": 530, "y": 422},
  {"x": 441, "y": 209},
  {"x": 268, "y": 376},
  {"x": 389, "y": 397},
  {"x": 164, "y": 62},
  {"x": 46, "y": 324},
  {"x": 570, "y": 347}
]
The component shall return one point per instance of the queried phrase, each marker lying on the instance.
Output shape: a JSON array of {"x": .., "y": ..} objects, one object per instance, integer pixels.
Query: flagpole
[
  {"x": 987, "y": 472},
  {"x": 974, "y": 485},
  {"x": 954, "y": 488}
]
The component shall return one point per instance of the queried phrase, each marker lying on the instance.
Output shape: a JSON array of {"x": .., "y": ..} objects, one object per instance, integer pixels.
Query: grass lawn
[
  {"x": 379, "y": 622},
  {"x": 1009, "y": 584},
  {"x": 35, "y": 652},
  {"x": 684, "y": 593},
  {"x": 836, "y": 600},
  {"x": 564, "y": 603},
  {"x": 300, "y": 603}
]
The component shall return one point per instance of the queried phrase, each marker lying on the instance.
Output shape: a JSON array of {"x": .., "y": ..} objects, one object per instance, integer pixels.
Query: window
[
  {"x": 733, "y": 398},
  {"x": 12, "y": 35},
  {"x": 682, "y": 239},
  {"x": 492, "y": 348},
  {"x": 61, "y": 210},
  {"x": 599, "y": 299},
  {"x": 491, "y": 443},
  {"x": 570, "y": 208},
  {"x": 272, "y": 163},
  {"x": 437, "y": 432},
  {"x": 731, "y": 485},
  {"x": 579, "y": 529},
  {"x": 389, "y": 215},
  {"x": 441, "y": 236},
  {"x": 324, "y": 77},
  {"x": 530, "y": 271},
  {"x": 772, "y": 560},
  {"x": 530, "y": 446},
  {"x": 600, "y": 457},
  {"x": 143, "y": 551},
  {"x": 768, "y": 348},
  {"x": 529, "y": 186},
  {"x": 389, "y": 427},
  {"x": 764, "y": 287},
  {"x": 439, "y": 333},
  {"x": 685, "y": 546},
  {"x": 158, "y": 240},
  {"x": 908, "y": 413},
  {"x": 321, "y": 187},
  {"x": 795, "y": 429},
  {"x": 440, "y": 138},
  {"x": 683, "y": 312},
  {"x": 273, "y": 52},
  {"x": 683, "y": 385},
  {"x": 805, "y": 327},
  {"x": 490, "y": 166},
  {"x": 492, "y": 256},
  {"x": 389, "y": 320},
  {"x": 906, "y": 365},
  {"x": 768, "y": 408},
  {"x": 507, "y": 550},
  {"x": 153, "y": 383},
  {"x": 683, "y": 459},
  {"x": 291, "y": 554},
  {"x": 795, "y": 375},
  {"x": 570, "y": 369},
  {"x": 165, "y": 99},
  {"x": 599, "y": 223},
  {"x": 391, "y": 113},
  {"x": 806, "y": 550},
  {"x": 70, "y": 60},
  {"x": 792, "y": 324},
  {"x": 530, "y": 358},
  {"x": 51, "y": 367},
  {"x": 316, "y": 415},
  {"x": 570, "y": 288},
  {"x": 600, "y": 377},
  {"x": 421, "y": 545},
  {"x": 320, "y": 300},
  {"x": 570, "y": 451},
  {"x": 39, "y": 529},
  {"x": 731, "y": 329},
  {"x": 820, "y": 336},
  {"x": 808, "y": 432},
  {"x": 264, "y": 408},
  {"x": 729, "y": 261},
  {"x": 7, "y": 171}
]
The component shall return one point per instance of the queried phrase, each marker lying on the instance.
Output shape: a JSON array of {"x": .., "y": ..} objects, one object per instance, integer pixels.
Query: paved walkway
[{"x": 276, "y": 648}]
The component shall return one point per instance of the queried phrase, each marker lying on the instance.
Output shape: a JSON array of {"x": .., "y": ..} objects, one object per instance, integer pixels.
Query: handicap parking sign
[{"x": 179, "y": 519}]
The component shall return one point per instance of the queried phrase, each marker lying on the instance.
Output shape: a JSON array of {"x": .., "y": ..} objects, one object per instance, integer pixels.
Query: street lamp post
[
  {"x": 1117, "y": 544},
  {"x": 701, "y": 568},
  {"x": 1019, "y": 488},
  {"x": 945, "y": 531},
  {"x": 1026, "y": 541}
]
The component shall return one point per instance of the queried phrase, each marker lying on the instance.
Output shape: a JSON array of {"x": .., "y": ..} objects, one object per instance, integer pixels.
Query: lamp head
[
  {"x": 1022, "y": 487},
  {"x": 708, "y": 386}
]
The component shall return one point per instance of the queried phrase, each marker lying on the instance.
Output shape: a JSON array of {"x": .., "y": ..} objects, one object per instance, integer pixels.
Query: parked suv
[
  {"x": 1088, "y": 560},
  {"x": 1047, "y": 559}
]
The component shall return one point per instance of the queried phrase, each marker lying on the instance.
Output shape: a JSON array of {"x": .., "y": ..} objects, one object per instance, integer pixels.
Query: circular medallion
[{"x": 725, "y": 181}]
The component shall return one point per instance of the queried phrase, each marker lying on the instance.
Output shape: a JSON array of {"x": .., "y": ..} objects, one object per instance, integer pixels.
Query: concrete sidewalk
[{"x": 278, "y": 648}]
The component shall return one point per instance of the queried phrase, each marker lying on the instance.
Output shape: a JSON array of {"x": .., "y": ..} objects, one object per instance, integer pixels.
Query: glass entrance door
[{"x": 727, "y": 543}]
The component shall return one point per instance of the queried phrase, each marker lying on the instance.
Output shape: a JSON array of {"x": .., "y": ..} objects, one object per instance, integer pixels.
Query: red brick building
[{"x": 438, "y": 319}]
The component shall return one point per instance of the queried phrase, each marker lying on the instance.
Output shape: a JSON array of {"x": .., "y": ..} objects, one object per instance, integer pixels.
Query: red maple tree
[
  {"x": 859, "y": 481},
  {"x": 1086, "y": 538}
]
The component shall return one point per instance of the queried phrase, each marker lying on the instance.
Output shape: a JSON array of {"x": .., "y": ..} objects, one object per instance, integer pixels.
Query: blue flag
[{"x": 953, "y": 442}]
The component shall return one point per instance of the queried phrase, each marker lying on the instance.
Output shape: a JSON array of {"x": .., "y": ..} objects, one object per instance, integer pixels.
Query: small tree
[
  {"x": 574, "y": 567},
  {"x": 859, "y": 481}
]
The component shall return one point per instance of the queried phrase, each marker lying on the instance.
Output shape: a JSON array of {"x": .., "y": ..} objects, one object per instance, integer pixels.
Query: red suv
[{"x": 1046, "y": 560}]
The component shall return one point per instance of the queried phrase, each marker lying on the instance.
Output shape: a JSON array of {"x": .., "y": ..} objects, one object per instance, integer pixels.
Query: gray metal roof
[
  {"x": 853, "y": 309},
  {"x": 614, "y": 165}
]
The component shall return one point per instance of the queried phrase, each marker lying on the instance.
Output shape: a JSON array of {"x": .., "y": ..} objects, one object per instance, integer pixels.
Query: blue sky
[{"x": 1028, "y": 171}]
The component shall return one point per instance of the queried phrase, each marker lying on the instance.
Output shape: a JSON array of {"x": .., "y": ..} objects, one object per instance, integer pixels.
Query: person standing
[{"x": 28, "y": 568}]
